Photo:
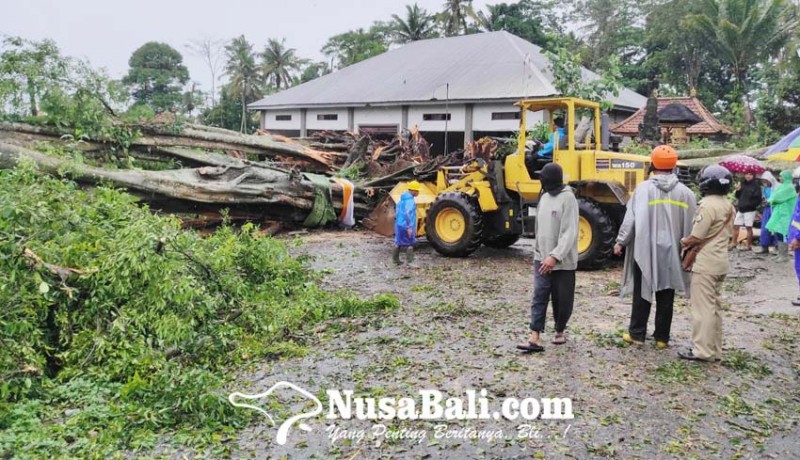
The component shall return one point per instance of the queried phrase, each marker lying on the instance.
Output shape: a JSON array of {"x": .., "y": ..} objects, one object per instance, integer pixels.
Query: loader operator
[
  {"x": 547, "y": 150},
  {"x": 538, "y": 154}
]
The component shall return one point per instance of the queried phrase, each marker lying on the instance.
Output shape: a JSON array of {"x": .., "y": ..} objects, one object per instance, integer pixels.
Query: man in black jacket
[{"x": 748, "y": 197}]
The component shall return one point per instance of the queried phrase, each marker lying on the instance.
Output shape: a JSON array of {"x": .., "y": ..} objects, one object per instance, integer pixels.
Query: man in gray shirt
[{"x": 555, "y": 257}]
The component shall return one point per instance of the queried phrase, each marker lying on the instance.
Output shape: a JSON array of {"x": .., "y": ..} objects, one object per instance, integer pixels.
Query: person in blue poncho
[
  {"x": 405, "y": 224},
  {"x": 547, "y": 150},
  {"x": 794, "y": 233}
]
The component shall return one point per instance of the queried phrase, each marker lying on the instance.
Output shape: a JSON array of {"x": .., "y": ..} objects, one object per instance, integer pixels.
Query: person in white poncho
[{"x": 658, "y": 216}]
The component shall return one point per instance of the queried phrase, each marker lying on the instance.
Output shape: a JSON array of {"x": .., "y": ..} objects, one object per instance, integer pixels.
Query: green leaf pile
[{"x": 140, "y": 338}]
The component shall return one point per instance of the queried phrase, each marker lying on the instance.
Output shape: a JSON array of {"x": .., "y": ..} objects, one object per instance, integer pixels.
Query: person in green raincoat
[{"x": 782, "y": 200}]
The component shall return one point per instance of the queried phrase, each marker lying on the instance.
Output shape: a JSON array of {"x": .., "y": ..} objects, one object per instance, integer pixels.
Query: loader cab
[{"x": 523, "y": 167}]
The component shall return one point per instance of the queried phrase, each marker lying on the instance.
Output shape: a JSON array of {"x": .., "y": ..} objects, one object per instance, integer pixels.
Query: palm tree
[
  {"x": 455, "y": 15},
  {"x": 243, "y": 73},
  {"x": 746, "y": 33},
  {"x": 417, "y": 25},
  {"x": 278, "y": 63}
]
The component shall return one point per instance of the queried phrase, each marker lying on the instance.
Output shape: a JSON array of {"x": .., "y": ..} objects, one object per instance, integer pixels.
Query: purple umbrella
[{"x": 742, "y": 164}]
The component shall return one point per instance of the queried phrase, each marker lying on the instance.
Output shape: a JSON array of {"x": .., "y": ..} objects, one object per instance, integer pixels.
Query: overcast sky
[{"x": 106, "y": 32}]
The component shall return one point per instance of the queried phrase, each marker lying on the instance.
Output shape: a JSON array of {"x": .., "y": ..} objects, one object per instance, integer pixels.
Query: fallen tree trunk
[
  {"x": 275, "y": 194},
  {"x": 717, "y": 152},
  {"x": 160, "y": 137}
]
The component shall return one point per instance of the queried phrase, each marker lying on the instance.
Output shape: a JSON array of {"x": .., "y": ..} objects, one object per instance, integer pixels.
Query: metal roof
[{"x": 477, "y": 67}]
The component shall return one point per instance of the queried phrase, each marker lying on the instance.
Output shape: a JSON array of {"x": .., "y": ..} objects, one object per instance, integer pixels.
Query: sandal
[
  {"x": 530, "y": 347},
  {"x": 559, "y": 339}
]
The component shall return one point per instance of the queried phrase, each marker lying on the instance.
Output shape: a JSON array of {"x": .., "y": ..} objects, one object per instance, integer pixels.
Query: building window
[
  {"x": 436, "y": 116},
  {"x": 505, "y": 115},
  {"x": 328, "y": 116},
  {"x": 283, "y": 118}
]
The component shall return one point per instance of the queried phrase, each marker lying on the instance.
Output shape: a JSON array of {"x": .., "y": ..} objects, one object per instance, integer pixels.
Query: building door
[{"x": 379, "y": 131}]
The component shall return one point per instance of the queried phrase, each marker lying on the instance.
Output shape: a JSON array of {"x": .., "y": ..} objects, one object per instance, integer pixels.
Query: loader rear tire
[
  {"x": 596, "y": 235},
  {"x": 454, "y": 225}
]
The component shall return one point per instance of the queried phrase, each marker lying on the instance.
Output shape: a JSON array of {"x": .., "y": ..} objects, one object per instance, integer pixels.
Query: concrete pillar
[
  {"x": 351, "y": 119},
  {"x": 303, "y": 130},
  {"x": 404, "y": 117},
  {"x": 468, "y": 124}
]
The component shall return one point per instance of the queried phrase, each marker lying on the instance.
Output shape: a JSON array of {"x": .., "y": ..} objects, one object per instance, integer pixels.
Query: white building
[{"x": 464, "y": 86}]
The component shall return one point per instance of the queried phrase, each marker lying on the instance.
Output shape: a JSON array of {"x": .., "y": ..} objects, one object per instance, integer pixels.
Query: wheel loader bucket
[
  {"x": 381, "y": 219},
  {"x": 425, "y": 197}
]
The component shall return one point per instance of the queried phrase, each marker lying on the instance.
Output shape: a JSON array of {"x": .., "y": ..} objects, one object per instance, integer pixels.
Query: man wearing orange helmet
[{"x": 658, "y": 216}]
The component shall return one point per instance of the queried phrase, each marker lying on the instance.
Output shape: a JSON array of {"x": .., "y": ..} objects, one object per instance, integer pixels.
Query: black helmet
[{"x": 714, "y": 180}]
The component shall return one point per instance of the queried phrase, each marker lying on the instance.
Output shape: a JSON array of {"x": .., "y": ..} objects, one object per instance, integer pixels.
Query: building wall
[
  {"x": 378, "y": 116},
  {"x": 482, "y": 118},
  {"x": 456, "y": 122},
  {"x": 269, "y": 122},
  {"x": 340, "y": 124}
]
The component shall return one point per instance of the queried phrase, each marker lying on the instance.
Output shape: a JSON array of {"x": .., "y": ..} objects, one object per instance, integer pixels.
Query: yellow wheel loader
[{"x": 494, "y": 203}]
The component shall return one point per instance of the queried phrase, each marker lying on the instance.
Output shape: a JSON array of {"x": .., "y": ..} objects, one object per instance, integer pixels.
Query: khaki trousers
[{"x": 706, "y": 315}]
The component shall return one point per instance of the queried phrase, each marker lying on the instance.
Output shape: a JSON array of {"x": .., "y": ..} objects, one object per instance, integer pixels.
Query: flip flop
[
  {"x": 530, "y": 347},
  {"x": 560, "y": 339}
]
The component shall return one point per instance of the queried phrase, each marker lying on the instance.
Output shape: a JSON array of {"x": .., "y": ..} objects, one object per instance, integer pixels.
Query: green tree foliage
[
  {"x": 417, "y": 25},
  {"x": 779, "y": 101},
  {"x": 314, "y": 70},
  {"x": 568, "y": 78},
  {"x": 157, "y": 76},
  {"x": 244, "y": 79},
  {"x": 456, "y": 16},
  {"x": 279, "y": 63},
  {"x": 65, "y": 92},
  {"x": 679, "y": 57},
  {"x": 746, "y": 33},
  {"x": 228, "y": 113},
  {"x": 28, "y": 69},
  {"x": 614, "y": 28},
  {"x": 535, "y": 21},
  {"x": 141, "y": 335},
  {"x": 357, "y": 45}
]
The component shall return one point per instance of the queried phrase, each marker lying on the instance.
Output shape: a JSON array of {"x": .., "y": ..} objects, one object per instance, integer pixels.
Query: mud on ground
[{"x": 457, "y": 328}]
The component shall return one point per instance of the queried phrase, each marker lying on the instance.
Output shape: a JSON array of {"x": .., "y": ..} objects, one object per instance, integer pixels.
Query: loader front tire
[
  {"x": 454, "y": 225},
  {"x": 596, "y": 235}
]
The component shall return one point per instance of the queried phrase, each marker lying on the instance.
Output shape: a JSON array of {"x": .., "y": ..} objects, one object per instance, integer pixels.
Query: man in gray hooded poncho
[
  {"x": 555, "y": 257},
  {"x": 658, "y": 216}
]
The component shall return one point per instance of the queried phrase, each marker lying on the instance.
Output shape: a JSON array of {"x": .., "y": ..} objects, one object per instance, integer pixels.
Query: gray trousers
[{"x": 558, "y": 286}]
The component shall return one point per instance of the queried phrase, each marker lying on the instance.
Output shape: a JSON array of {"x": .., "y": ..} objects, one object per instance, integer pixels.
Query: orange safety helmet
[{"x": 664, "y": 158}]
